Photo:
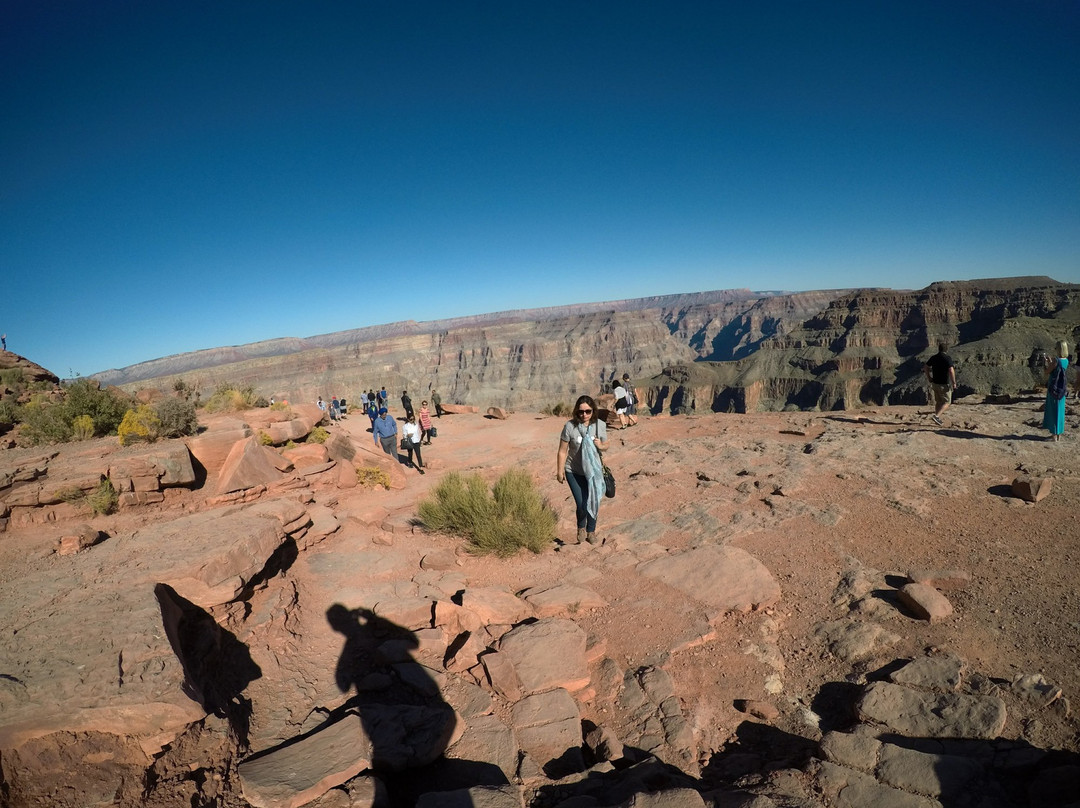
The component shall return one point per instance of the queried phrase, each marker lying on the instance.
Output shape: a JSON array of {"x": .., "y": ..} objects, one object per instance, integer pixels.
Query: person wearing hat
[{"x": 384, "y": 430}]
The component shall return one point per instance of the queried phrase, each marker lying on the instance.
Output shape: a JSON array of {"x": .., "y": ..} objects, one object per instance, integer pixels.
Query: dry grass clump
[
  {"x": 370, "y": 476},
  {"x": 509, "y": 517}
]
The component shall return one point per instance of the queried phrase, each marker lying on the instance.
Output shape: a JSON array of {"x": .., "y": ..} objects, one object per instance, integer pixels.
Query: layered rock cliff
[
  {"x": 868, "y": 347},
  {"x": 716, "y": 351}
]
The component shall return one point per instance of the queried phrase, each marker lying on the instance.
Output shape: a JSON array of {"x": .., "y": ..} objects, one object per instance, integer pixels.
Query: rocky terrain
[
  {"x": 787, "y": 609},
  {"x": 733, "y": 351}
]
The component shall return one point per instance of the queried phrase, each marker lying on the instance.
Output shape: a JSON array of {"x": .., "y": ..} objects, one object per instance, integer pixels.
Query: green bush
[
  {"x": 9, "y": 414},
  {"x": 104, "y": 498},
  {"x": 265, "y": 439},
  {"x": 318, "y": 435},
  {"x": 509, "y": 517},
  {"x": 178, "y": 417},
  {"x": 230, "y": 398},
  {"x": 560, "y": 409},
  {"x": 44, "y": 421},
  {"x": 106, "y": 407},
  {"x": 48, "y": 418},
  {"x": 12, "y": 377},
  {"x": 82, "y": 427},
  {"x": 139, "y": 424},
  {"x": 280, "y": 406}
]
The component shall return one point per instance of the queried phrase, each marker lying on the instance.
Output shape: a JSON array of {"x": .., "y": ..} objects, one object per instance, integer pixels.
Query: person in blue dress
[{"x": 1054, "y": 411}]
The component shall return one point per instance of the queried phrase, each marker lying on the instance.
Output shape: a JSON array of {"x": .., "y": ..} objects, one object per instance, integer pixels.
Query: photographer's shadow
[{"x": 401, "y": 709}]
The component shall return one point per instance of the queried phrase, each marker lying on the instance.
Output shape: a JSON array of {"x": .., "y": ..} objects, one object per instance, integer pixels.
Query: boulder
[
  {"x": 308, "y": 454},
  {"x": 212, "y": 448},
  {"x": 1031, "y": 489},
  {"x": 498, "y": 413},
  {"x": 925, "y": 602},
  {"x": 248, "y": 465}
]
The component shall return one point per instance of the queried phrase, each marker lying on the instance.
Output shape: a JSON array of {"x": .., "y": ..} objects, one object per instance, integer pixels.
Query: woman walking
[
  {"x": 578, "y": 462},
  {"x": 410, "y": 435},
  {"x": 425, "y": 424},
  {"x": 1054, "y": 410}
]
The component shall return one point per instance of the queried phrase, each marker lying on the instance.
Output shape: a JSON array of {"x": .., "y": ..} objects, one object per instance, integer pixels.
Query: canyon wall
[
  {"x": 721, "y": 351},
  {"x": 868, "y": 347}
]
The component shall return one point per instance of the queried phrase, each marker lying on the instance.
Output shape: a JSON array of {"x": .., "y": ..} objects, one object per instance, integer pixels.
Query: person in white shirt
[{"x": 410, "y": 436}]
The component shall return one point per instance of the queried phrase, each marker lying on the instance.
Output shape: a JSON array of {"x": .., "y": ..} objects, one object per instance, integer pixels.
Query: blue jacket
[{"x": 384, "y": 427}]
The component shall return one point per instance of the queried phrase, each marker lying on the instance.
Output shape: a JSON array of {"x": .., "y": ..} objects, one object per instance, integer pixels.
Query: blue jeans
[{"x": 579, "y": 487}]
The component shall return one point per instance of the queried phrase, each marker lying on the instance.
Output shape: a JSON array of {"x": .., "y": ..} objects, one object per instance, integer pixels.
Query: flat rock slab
[
  {"x": 725, "y": 578},
  {"x": 943, "y": 674},
  {"x": 851, "y": 640},
  {"x": 98, "y": 659},
  {"x": 302, "y": 770},
  {"x": 547, "y": 654},
  {"x": 563, "y": 600},
  {"x": 548, "y": 729},
  {"x": 508, "y": 796},
  {"x": 932, "y": 715}
]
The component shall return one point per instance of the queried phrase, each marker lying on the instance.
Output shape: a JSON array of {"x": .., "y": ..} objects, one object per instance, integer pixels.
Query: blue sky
[{"x": 186, "y": 175}]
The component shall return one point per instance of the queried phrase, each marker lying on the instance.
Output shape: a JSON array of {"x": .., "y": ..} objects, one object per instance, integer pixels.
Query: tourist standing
[
  {"x": 406, "y": 403},
  {"x": 578, "y": 463},
  {"x": 631, "y": 397},
  {"x": 384, "y": 431},
  {"x": 410, "y": 433},
  {"x": 941, "y": 374},
  {"x": 436, "y": 399},
  {"x": 425, "y": 423},
  {"x": 622, "y": 405},
  {"x": 1056, "y": 390}
]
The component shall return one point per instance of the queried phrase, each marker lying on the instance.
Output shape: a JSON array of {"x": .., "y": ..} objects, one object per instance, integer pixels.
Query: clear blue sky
[{"x": 185, "y": 175}]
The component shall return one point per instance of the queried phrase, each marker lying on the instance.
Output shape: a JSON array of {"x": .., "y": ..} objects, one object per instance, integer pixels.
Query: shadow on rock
[
  {"x": 217, "y": 666},
  {"x": 401, "y": 709}
]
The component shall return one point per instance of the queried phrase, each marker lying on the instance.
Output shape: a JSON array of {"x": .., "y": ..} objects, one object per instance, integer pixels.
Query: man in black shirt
[{"x": 941, "y": 374}]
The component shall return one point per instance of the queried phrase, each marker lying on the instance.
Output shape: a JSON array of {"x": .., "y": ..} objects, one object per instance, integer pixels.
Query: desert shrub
[
  {"x": 139, "y": 424},
  {"x": 559, "y": 408},
  {"x": 261, "y": 402},
  {"x": 8, "y": 413},
  {"x": 177, "y": 416},
  {"x": 511, "y": 516},
  {"x": 289, "y": 444},
  {"x": 12, "y": 377},
  {"x": 82, "y": 427},
  {"x": 280, "y": 406},
  {"x": 370, "y": 476},
  {"x": 265, "y": 439},
  {"x": 44, "y": 421},
  {"x": 230, "y": 398},
  {"x": 72, "y": 495},
  {"x": 104, "y": 498},
  {"x": 318, "y": 435},
  {"x": 107, "y": 407}
]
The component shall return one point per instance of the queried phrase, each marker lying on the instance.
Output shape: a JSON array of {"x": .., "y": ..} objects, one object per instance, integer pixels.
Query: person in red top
[{"x": 425, "y": 423}]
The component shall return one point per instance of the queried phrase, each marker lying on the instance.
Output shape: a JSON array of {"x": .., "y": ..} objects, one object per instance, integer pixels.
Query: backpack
[{"x": 1056, "y": 384}]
